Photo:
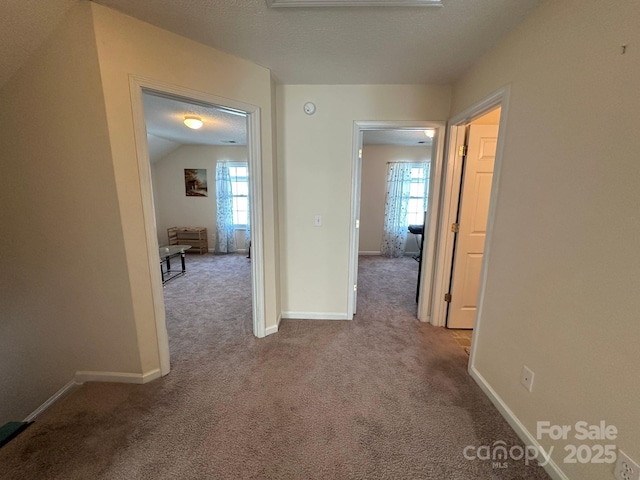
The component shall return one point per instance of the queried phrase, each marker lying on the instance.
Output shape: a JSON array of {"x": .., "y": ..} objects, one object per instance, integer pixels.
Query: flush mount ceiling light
[
  {"x": 430, "y": 132},
  {"x": 354, "y": 3},
  {"x": 193, "y": 122}
]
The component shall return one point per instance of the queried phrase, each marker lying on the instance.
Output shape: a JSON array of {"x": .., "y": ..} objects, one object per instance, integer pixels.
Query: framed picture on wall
[{"x": 195, "y": 182}]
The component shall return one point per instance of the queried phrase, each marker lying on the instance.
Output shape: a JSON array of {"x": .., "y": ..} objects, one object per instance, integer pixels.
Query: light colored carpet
[{"x": 382, "y": 397}]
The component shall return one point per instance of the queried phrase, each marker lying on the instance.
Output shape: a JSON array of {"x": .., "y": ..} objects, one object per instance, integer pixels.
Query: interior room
[
  {"x": 191, "y": 166},
  {"x": 381, "y": 148},
  {"x": 174, "y": 148},
  {"x": 390, "y": 203},
  {"x": 310, "y": 387}
]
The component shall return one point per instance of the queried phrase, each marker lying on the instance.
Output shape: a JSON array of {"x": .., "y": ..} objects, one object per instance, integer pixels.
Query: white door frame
[
  {"x": 137, "y": 85},
  {"x": 451, "y": 196},
  {"x": 426, "y": 275}
]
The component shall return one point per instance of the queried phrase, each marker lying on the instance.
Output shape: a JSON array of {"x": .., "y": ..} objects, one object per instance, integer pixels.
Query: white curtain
[
  {"x": 247, "y": 232},
  {"x": 394, "y": 238},
  {"x": 225, "y": 229},
  {"x": 426, "y": 174}
]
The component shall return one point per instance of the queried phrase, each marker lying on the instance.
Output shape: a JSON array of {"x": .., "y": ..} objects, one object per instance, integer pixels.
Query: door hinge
[
  {"x": 360, "y": 154},
  {"x": 455, "y": 227},
  {"x": 355, "y": 287},
  {"x": 462, "y": 150},
  {"x": 447, "y": 297},
  {"x": 357, "y": 223}
]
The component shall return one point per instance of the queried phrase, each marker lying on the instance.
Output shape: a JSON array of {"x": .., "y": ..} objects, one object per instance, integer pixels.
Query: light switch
[{"x": 317, "y": 220}]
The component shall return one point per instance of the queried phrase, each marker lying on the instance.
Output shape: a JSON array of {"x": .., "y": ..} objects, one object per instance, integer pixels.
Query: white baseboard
[
  {"x": 68, "y": 388},
  {"x": 239, "y": 250},
  {"x": 315, "y": 316},
  {"x": 525, "y": 435},
  {"x": 372, "y": 253},
  {"x": 273, "y": 329},
  {"x": 118, "y": 377},
  {"x": 270, "y": 330},
  {"x": 82, "y": 377}
]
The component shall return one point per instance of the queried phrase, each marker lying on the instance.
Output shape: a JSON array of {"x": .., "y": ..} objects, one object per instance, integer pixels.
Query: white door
[{"x": 472, "y": 221}]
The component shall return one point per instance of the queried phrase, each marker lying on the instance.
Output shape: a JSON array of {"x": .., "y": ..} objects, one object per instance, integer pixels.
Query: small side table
[{"x": 166, "y": 254}]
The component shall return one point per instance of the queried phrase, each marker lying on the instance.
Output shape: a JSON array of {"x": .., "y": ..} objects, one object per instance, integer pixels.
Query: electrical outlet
[
  {"x": 526, "y": 378},
  {"x": 626, "y": 469}
]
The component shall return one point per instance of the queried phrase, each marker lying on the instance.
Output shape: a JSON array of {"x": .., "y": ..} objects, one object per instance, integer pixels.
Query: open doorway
[
  {"x": 140, "y": 87},
  {"x": 396, "y": 171},
  {"x": 185, "y": 165},
  {"x": 470, "y": 227},
  {"x": 200, "y": 180},
  {"x": 470, "y": 188},
  {"x": 394, "y": 198}
]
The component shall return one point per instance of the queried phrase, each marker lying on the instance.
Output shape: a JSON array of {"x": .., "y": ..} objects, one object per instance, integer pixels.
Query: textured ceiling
[
  {"x": 407, "y": 138},
  {"x": 300, "y": 45},
  {"x": 24, "y": 25},
  {"x": 356, "y": 3},
  {"x": 164, "y": 118},
  {"x": 166, "y": 130},
  {"x": 348, "y": 45}
]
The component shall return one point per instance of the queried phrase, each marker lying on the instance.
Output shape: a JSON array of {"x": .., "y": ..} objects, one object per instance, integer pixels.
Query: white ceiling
[
  {"x": 317, "y": 45},
  {"x": 300, "y": 45},
  {"x": 165, "y": 119},
  {"x": 407, "y": 138},
  {"x": 351, "y": 3},
  {"x": 342, "y": 45},
  {"x": 166, "y": 130}
]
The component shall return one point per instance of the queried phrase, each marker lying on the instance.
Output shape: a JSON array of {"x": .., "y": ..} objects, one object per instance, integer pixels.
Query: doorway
[
  {"x": 470, "y": 227},
  {"x": 200, "y": 179},
  {"x": 457, "y": 135},
  {"x": 139, "y": 86},
  {"x": 415, "y": 130},
  {"x": 187, "y": 212}
]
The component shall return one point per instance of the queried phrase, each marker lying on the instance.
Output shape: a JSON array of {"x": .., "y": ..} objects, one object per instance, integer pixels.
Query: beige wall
[
  {"x": 159, "y": 147},
  {"x": 275, "y": 205},
  {"x": 314, "y": 161},
  {"x": 173, "y": 207},
  {"x": 128, "y": 46},
  {"x": 77, "y": 293},
  {"x": 65, "y": 295},
  {"x": 563, "y": 274},
  {"x": 373, "y": 191}
]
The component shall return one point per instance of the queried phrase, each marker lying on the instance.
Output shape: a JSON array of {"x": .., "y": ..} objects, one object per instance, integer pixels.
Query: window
[
  {"x": 239, "y": 173},
  {"x": 405, "y": 204},
  {"x": 418, "y": 193}
]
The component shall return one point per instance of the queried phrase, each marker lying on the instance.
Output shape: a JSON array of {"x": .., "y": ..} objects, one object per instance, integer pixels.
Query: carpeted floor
[{"x": 381, "y": 397}]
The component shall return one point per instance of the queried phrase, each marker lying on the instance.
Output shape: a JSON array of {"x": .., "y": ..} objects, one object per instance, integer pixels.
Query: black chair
[{"x": 417, "y": 230}]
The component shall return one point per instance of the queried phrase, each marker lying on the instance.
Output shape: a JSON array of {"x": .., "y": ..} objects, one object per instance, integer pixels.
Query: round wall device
[{"x": 309, "y": 108}]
